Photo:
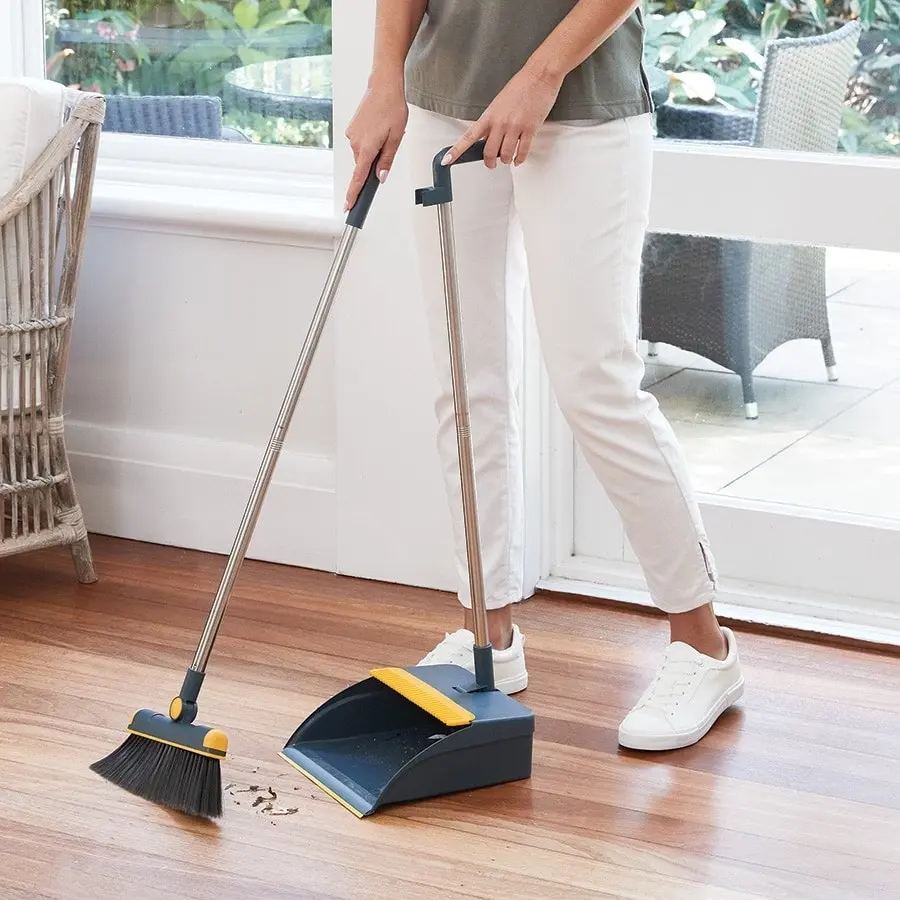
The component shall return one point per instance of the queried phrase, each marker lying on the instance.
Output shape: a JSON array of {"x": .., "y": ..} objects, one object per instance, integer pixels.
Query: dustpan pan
[{"x": 406, "y": 734}]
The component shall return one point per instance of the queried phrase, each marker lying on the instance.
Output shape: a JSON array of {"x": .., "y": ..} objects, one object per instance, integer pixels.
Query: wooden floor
[{"x": 797, "y": 795}]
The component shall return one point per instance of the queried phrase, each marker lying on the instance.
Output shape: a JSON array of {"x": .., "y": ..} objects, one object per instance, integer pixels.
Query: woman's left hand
[{"x": 510, "y": 123}]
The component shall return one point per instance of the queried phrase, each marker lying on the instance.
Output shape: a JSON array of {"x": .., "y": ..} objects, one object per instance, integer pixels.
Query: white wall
[
  {"x": 182, "y": 350},
  {"x": 392, "y": 517}
]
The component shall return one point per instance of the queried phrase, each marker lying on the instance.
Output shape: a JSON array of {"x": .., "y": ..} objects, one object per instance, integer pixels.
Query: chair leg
[
  {"x": 830, "y": 361},
  {"x": 69, "y": 513},
  {"x": 751, "y": 410},
  {"x": 652, "y": 349},
  {"x": 84, "y": 561}
]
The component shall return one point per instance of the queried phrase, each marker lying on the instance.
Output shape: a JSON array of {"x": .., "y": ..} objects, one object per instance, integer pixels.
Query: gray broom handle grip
[
  {"x": 360, "y": 209},
  {"x": 276, "y": 443}
]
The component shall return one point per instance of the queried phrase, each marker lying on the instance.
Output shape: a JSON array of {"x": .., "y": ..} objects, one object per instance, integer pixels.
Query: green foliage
[
  {"x": 713, "y": 51},
  {"x": 179, "y": 46},
  {"x": 250, "y": 31},
  {"x": 273, "y": 130},
  {"x": 708, "y": 60},
  {"x": 110, "y": 50}
]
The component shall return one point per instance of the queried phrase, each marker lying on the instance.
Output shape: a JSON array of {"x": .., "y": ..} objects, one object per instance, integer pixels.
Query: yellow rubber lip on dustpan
[
  {"x": 424, "y": 696},
  {"x": 318, "y": 784}
]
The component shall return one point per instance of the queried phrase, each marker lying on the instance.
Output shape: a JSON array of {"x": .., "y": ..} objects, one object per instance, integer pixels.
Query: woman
[{"x": 557, "y": 89}]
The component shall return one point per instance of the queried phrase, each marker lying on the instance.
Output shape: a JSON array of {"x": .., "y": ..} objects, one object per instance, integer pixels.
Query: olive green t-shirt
[{"x": 467, "y": 50}]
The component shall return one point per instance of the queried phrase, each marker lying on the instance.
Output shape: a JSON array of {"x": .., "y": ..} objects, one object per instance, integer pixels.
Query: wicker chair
[
  {"x": 190, "y": 117},
  {"x": 734, "y": 302},
  {"x": 43, "y": 220}
]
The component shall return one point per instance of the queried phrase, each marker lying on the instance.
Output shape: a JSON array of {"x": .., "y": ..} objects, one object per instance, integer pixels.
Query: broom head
[{"x": 175, "y": 764}]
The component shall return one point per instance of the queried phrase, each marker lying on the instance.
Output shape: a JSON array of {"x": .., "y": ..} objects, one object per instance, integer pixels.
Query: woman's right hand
[{"x": 375, "y": 133}]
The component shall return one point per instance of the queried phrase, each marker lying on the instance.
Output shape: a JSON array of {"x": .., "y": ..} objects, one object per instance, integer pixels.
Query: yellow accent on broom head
[
  {"x": 319, "y": 784},
  {"x": 424, "y": 696},
  {"x": 216, "y": 740},
  {"x": 175, "y": 708},
  {"x": 150, "y": 737}
]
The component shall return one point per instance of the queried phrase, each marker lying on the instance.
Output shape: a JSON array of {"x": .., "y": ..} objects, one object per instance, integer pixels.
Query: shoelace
[
  {"x": 451, "y": 651},
  {"x": 671, "y": 683}
]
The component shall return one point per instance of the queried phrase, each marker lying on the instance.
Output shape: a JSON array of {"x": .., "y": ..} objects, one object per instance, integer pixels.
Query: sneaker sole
[
  {"x": 683, "y": 739},
  {"x": 513, "y": 685}
]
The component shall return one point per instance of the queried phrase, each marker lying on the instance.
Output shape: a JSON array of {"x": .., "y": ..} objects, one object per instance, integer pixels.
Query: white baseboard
[
  {"x": 190, "y": 492},
  {"x": 857, "y": 618}
]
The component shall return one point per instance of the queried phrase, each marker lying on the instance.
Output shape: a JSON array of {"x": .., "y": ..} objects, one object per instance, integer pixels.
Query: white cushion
[{"x": 31, "y": 114}]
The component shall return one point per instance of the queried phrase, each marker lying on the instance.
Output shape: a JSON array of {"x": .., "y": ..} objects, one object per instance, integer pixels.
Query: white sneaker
[
  {"x": 510, "y": 674},
  {"x": 690, "y": 691}
]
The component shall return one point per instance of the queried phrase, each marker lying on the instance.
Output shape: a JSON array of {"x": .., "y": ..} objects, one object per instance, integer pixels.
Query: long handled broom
[{"x": 166, "y": 758}]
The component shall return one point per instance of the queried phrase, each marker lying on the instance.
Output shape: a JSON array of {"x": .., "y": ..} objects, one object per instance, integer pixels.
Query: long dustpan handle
[
  {"x": 355, "y": 220},
  {"x": 441, "y": 196}
]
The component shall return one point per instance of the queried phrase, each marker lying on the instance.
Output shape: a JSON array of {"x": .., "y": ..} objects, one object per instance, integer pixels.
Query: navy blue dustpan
[{"x": 408, "y": 734}]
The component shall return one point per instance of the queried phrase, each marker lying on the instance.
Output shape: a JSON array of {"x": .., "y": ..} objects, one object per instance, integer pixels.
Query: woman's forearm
[
  {"x": 582, "y": 31},
  {"x": 377, "y": 128},
  {"x": 396, "y": 25}
]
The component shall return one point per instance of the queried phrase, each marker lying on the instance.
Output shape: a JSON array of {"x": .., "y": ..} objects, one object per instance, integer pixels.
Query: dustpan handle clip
[{"x": 442, "y": 190}]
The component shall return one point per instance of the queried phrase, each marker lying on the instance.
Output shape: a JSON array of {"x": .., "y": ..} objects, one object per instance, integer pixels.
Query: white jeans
[{"x": 569, "y": 224}]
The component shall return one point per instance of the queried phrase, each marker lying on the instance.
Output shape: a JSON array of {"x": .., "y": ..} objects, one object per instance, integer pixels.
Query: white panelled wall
[{"x": 181, "y": 351}]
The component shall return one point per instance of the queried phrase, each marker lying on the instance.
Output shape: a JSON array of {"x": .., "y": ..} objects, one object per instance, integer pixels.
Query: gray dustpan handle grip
[
  {"x": 355, "y": 221},
  {"x": 441, "y": 195}
]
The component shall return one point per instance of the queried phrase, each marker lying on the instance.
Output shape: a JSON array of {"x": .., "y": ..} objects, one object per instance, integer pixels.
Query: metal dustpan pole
[
  {"x": 483, "y": 651},
  {"x": 441, "y": 195}
]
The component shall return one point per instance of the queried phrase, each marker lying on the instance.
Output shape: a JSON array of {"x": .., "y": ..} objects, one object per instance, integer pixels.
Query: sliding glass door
[{"x": 770, "y": 312}]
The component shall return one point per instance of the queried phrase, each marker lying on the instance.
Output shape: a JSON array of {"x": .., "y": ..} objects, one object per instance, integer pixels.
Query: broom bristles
[{"x": 171, "y": 776}]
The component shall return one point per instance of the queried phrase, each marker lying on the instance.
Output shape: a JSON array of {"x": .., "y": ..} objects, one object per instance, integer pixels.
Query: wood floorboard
[{"x": 794, "y": 795}]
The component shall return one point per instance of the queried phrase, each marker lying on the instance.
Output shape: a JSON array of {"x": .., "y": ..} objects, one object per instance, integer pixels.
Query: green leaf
[
  {"x": 867, "y": 11},
  {"x": 205, "y": 54},
  {"x": 817, "y": 11},
  {"x": 667, "y": 54},
  {"x": 278, "y": 19},
  {"x": 696, "y": 85},
  {"x": 742, "y": 99},
  {"x": 302, "y": 6},
  {"x": 246, "y": 14},
  {"x": 656, "y": 27},
  {"x": 773, "y": 21},
  {"x": 322, "y": 16},
  {"x": 699, "y": 37},
  {"x": 250, "y": 55},
  {"x": 745, "y": 48},
  {"x": 883, "y": 62},
  {"x": 214, "y": 11}
]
